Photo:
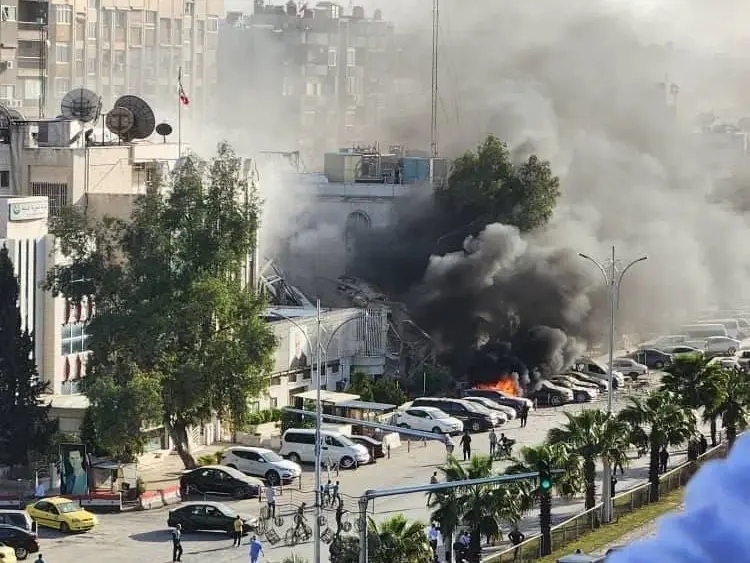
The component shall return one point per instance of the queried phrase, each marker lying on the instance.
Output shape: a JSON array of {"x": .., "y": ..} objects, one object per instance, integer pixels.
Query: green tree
[
  {"x": 429, "y": 380},
  {"x": 25, "y": 429},
  {"x": 398, "y": 540},
  {"x": 178, "y": 335},
  {"x": 696, "y": 384},
  {"x": 591, "y": 435},
  {"x": 485, "y": 186},
  {"x": 730, "y": 402},
  {"x": 386, "y": 390},
  {"x": 360, "y": 384},
  {"x": 660, "y": 421},
  {"x": 483, "y": 508}
]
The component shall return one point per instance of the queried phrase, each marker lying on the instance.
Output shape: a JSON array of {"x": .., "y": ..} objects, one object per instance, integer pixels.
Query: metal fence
[{"x": 623, "y": 503}]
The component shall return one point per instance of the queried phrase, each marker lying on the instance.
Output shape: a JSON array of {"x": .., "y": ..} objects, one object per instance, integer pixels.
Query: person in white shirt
[
  {"x": 40, "y": 491},
  {"x": 433, "y": 534},
  {"x": 271, "y": 501}
]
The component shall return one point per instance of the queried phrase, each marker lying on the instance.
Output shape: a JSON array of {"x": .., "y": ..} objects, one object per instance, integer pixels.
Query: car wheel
[
  {"x": 21, "y": 553},
  {"x": 346, "y": 462},
  {"x": 294, "y": 457},
  {"x": 555, "y": 401},
  {"x": 659, "y": 364},
  {"x": 580, "y": 397},
  {"x": 437, "y": 430},
  {"x": 64, "y": 528},
  {"x": 731, "y": 351},
  {"x": 476, "y": 426},
  {"x": 273, "y": 477}
]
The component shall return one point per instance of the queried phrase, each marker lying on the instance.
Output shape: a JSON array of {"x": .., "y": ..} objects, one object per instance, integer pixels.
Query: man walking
[
  {"x": 524, "y": 415},
  {"x": 238, "y": 527},
  {"x": 432, "y": 535},
  {"x": 663, "y": 460},
  {"x": 271, "y": 501},
  {"x": 256, "y": 548},
  {"x": 516, "y": 537},
  {"x": 466, "y": 445},
  {"x": 433, "y": 481},
  {"x": 177, "y": 543},
  {"x": 493, "y": 443}
]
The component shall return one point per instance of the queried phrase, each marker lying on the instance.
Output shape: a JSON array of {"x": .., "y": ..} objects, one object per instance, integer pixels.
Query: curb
[{"x": 151, "y": 500}]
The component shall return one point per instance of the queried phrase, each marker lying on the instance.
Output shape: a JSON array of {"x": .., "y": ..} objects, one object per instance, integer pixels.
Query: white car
[
  {"x": 508, "y": 412},
  {"x": 722, "y": 345},
  {"x": 428, "y": 419},
  {"x": 261, "y": 462},
  {"x": 629, "y": 366}
]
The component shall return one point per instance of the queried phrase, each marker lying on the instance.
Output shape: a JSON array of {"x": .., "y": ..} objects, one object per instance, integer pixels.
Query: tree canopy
[
  {"x": 485, "y": 186},
  {"x": 24, "y": 425},
  {"x": 383, "y": 390},
  {"x": 177, "y": 335}
]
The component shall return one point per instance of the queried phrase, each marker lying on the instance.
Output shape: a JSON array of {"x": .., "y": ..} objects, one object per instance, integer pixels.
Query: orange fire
[{"x": 506, "y": 385}]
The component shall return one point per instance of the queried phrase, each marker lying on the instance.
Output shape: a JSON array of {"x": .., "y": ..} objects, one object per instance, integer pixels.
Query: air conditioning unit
[
  {"x": 15, "y": 103},
  {"x": 9, "y": 65}
]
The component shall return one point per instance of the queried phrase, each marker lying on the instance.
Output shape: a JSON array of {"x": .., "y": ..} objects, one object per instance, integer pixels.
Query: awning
[
  {"x": 366, "y": 406},
  {"x": 330, "y": 397}
]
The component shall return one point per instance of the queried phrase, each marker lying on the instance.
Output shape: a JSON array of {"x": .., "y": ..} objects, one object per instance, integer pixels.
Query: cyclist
[{"x": 299, "y": 520}]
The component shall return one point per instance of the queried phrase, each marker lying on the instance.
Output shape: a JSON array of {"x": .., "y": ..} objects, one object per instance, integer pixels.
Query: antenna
[
  {"x": 434, "y": 110},
  {"x": 144, "y": 121},
  {"x": 165, "y": 130},
  {"x": 120, "y": 121},
  {"x": 81, "y": 104}
]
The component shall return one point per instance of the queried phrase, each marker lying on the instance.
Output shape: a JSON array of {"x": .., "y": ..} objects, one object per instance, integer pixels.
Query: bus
[{"x": 732, "y": 326}]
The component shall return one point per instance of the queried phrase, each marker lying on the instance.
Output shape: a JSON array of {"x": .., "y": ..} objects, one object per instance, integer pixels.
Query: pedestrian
[
  {"x": 433, "y": 481},
  {"x": 256, "y": 548},
  {"x": 335, "y": 491},
  {"x": 339, "y": 517},
  {"x": 613, "y": 482},
  {"x": 271, "y": 501},
  {"x": 239, "y": 526},
  {"x": 516, "y": 538},
  {"x": 39, "y": 559},
  {"x": 40, "y": 491},
  {"x": 466, "y": 445},
  {"x": 536, "y": 403},
  {"x": 524, "y": 415},
  {"x": 493, "y": 443},
  {"x": 703, "y": 446},
  {"x": 663, "y": 459},
  {"x": 177, "y": 543},
  {"x": 432, "y": 535}
]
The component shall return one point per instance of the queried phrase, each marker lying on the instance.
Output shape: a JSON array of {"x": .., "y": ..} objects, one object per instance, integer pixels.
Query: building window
[
  {"x": 32, "y": 88},
  {"x": 63, "y": 15},
  {"x": 62, "y": 86},
  {"x": 351, "y": 57},
  {"x": 189, "y": 8},
  {"x": 4, "y": 178},
  {"x": 351, "y": 85},
  {"x": 91, "y": 66},
  {"x": 121, "y": 19},
  {"x": 150, "y": 18},
  {"x": 150, "y": 36},
  {"x": 119, "y": 60},
  {"x": 92, "y": 4},
  {"x": 349, "y": 119},
  {"x": 165, "y": 31},
  {"x": 274, "y": 402},
  {"x": 62, "y": 53},
  {"x": 74, "y": 339},
  {"x": 212, "y": 25},
  {"x": 8, "y": 13},
  {"x": 136, "y": 36},
  {"x": 79, "y": 54},
  {"x": 287, "y": 87},
  {"x": 200, "y": 32},
  {"x": 91, "y": 30},
  {"x": 7, "y": 91},
  {"x": 106, "y": 32},
  {"x": 331, "y": 57},
  {"x": 57, "y": 194},
  {"x": 312, "y": 87}
]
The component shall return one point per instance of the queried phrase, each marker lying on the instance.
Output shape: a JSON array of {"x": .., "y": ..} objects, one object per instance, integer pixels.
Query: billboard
[
  {"x": 74, "y": 479},
  {"x": 299, "y": 349}
]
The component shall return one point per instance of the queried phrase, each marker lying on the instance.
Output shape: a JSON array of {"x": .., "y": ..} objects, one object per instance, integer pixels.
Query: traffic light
[{"x": 545, "y": 478}]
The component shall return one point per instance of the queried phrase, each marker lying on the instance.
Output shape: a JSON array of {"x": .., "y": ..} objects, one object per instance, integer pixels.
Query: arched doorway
[{"x": 357, "y": 223}]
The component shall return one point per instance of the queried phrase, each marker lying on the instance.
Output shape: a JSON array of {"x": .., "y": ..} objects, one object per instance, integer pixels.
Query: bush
[
  {"x": 210, "y": 459},
  {"x": 261, "y": 417}
]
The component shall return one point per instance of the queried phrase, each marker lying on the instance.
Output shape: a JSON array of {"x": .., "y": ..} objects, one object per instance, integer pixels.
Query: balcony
[{"x": 31, "y": 31}]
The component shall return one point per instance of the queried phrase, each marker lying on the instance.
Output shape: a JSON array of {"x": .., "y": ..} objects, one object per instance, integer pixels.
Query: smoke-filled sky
[{"x": 576, "y": 83}]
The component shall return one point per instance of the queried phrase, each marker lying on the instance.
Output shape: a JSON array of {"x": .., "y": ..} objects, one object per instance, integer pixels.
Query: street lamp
[{"x": 613, "y": 281}]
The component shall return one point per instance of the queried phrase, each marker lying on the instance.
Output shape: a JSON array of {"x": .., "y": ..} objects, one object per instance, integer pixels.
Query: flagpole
[{"x": 179, "y": 113}]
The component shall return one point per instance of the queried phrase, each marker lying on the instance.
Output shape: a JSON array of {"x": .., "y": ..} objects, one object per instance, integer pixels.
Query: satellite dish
[
  {"x": 164, "y": 129},
  {"x": 81, "y": 104},
  {"x": 144, "y": 121},
  {"x": 120, "y": 121}
]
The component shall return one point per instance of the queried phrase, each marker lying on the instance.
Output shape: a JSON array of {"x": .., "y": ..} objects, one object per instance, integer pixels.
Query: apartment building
[
  {"x": 312, "y": 78},
  {"x": 113, "y": 47}
]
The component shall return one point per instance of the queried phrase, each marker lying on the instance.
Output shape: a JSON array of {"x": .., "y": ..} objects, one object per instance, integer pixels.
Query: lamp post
[
  {"x": 432, "y": 353},
  {"x": 613, "y": 281}
]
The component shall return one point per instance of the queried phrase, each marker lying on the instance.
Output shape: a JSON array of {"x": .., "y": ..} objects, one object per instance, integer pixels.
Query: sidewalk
[{"x": 165, "y": 470}]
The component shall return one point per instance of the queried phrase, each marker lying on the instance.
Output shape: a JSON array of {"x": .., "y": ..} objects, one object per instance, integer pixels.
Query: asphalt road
[{"x": 144, "y": 536}]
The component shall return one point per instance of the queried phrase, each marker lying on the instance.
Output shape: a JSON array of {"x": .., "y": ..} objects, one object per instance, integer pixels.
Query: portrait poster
[
  {"x": 74, "y": 479},
  {"x": 299, "y": 349}
]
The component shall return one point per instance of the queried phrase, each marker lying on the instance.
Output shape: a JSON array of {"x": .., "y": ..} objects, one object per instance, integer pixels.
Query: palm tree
[
  {"x": 400, "y": 541},
  {"x": 591, "y": 435},
  {"x": 730, "y": 403},
  {"x": 695, "y": 383},
  {"x": 669, "y": 423},
  {"x": 481, "y": 507}
]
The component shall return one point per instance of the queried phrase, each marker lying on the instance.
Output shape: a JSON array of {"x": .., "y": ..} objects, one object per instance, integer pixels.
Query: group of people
[
  {"x": 256, "y": 547},
  {"x": 500, "y": 446}
]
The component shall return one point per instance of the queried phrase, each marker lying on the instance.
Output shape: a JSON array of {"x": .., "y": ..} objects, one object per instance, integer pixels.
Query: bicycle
[
  {"x": 347, "y": 525},
  {"x": 294, "y": 535},
  {"x": 265, "y": 514}
]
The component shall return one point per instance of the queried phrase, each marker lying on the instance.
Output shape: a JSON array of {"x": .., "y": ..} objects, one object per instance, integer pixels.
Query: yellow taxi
[
  {"x": 7, "y": 554},
  {"x": 61, "y": 514}
]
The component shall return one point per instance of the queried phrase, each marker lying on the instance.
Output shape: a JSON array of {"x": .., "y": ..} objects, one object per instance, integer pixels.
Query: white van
[
  {"x": 732, "y": 326},
  {"x": 298, "y": 445},
  {"x": 704, "y": 330}
]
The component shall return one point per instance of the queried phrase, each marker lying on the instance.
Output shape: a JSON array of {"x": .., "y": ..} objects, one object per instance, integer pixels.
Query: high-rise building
[
  {"x": 306, "y": 78},
  {"x": 113, "y": 47}
]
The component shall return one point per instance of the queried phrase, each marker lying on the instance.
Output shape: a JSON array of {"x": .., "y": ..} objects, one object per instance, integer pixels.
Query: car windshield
[
  {"x": 345, "y": 440},
  {"x": 226, "y": 511},
  {"x": 67, "y": 507},
  {"x": 438, "y": 414},
  {"x": 272, "y": 457}
]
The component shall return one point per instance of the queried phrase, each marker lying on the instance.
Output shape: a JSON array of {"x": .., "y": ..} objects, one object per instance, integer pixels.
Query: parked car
[
  {"x": 207, "y": 516},
  {"x": 664, "y": 342},
  {"x": 61, "y": 514},
  {"x": 592, "y": 368},
  {"x": 743, "y": 357},
  {"x": 18, "y": 518},
  {"x": 428, "y": 419},
  {"x": 219, "y": 480},
  {"x": 474, "y": 417},
  {"x": 727, "y": 363},
  {"x": 630, "y": 367},
  {"x": 581, "y": 393},
  {"x": 547, "y": 393},
  {"x": 677, "y": 350},
  {"x": 7, "y": 554},
  {"x": 298, "y": 445},
  {"x": 652, "y": 358},
  {"x": 721, "y": 345},
  {"x": 508, "y": 412},
  {"x": 600, "y": 383},
  {"x": 261, "y": 462},
  {"x": 375, "y": 447},
  {"x": 517, "y": 403},
  {"x": 22, "y": 541}
]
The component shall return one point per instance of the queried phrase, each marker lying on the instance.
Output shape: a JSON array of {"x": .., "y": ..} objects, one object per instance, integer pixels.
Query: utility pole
[
  {"x": 318, "y": 416},
  {"x": 434, "y": 109}
]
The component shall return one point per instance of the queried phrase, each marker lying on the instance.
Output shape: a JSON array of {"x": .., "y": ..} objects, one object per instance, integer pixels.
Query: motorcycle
[{"x": 505, "y": 449}]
